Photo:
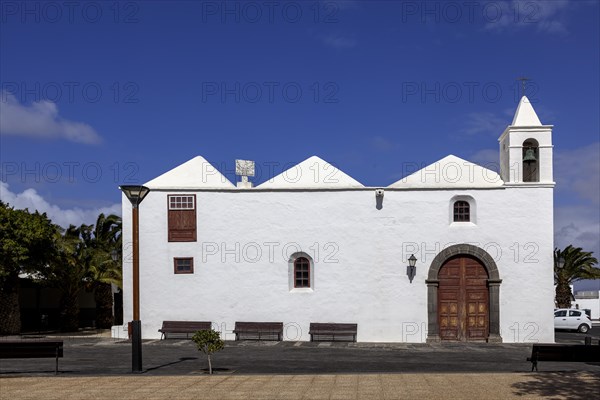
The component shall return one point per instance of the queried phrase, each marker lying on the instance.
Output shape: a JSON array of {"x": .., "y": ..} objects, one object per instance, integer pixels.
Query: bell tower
[{"x": 526, "y": 149}]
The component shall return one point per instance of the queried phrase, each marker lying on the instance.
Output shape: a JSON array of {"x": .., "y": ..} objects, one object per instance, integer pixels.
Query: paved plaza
[
  {"x": 99, "y": 367},
  {"x": 557, "y": 385}
]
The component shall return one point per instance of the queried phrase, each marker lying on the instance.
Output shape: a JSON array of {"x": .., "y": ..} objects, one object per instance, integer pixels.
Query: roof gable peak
[
  {"x": 312, "y": 173},
  {"x": 525, "y": 115},
  {"x": 196, "y": 173},
  {"x": 450, "y": 172}
]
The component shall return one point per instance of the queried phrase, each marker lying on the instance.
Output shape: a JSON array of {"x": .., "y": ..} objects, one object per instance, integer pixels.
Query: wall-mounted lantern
[{"x": 411, "y": 269}]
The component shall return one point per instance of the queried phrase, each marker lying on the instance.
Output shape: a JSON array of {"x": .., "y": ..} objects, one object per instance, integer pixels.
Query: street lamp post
[{"x": 136, "y": 194}]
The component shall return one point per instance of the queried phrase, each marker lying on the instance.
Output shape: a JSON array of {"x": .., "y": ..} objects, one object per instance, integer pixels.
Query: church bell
[{"x": 529, "y": 156}]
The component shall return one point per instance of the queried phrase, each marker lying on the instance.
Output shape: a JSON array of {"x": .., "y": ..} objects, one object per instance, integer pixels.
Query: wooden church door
[{"x": 463, "y": 300}]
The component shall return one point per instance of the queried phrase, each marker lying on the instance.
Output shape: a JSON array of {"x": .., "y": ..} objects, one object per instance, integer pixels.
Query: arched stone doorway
[{"x": 464, "y": 270}]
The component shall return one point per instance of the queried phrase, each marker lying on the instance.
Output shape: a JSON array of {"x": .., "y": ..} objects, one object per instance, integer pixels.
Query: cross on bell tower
[{"x": 523, "y": 84}]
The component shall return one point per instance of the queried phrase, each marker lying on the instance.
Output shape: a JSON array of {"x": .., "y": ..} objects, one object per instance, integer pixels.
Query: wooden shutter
[{"x": 182, "y": 223}]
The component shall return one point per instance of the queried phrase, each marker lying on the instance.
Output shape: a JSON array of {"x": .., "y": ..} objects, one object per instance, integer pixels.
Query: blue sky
[{"x": 96, "y": 94}]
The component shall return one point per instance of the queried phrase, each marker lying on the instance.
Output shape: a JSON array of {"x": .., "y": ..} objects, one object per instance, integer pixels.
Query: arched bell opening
[{"x": 531, "y": 161}]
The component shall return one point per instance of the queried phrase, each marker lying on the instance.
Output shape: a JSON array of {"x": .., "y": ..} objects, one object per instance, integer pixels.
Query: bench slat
[{"x": 332, "y": 326}]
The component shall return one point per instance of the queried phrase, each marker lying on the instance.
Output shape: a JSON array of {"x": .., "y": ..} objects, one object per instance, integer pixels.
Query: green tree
[
  {"x": 68, "y": 271},
  {"x": 208, "y": 342},
  {"x": 26, "y": 244},
  {"x": 571, "y": 265},
  {"x": 103, "y": 270}
]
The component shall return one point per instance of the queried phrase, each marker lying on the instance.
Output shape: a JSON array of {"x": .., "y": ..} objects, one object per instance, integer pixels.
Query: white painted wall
[{"x": 359, "y": 256}]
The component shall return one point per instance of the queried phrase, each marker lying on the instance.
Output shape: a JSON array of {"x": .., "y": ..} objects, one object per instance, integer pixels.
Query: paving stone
[{"x": 99, "y": 367}]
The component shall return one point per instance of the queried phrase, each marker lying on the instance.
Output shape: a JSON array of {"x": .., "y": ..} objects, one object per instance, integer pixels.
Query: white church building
[{"x": 314, "y": 245}]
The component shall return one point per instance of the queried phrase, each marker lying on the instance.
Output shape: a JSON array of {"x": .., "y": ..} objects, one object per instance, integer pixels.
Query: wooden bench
[
  {"x": 332, "y": 331},
  {"x": 181, "y": 327},
  {"x": 258, "y": 330},
  {"x": 564, "y": 352},
  {"x": 32, "y": 349}
]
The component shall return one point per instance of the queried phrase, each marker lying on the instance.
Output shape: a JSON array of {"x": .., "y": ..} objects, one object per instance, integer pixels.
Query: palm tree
[
  {"x": 84, "y": 260},
  {"x": 104, "y": 271},
  {"x": 570, "y": 265},
  {"x": 67, "y": 272}
]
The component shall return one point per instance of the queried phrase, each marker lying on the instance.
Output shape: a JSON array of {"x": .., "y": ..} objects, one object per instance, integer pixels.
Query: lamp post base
[{"x": 136, "y": 346}]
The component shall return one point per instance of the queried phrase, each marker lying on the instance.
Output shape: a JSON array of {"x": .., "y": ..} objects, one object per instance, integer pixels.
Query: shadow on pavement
[
  {"x": 573, "y": 385},
  {"x": 181, "y": 359}
]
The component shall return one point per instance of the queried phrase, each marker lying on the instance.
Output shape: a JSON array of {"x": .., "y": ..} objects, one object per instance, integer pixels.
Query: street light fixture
[{"x": 135, "y": 194}]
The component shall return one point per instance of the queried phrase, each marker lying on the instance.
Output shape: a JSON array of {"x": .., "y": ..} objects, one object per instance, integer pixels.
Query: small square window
[{"x": 184, "y": 265}]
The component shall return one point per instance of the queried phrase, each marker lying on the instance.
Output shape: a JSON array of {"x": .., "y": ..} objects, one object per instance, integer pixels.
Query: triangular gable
[
  {"x": 196, "y": 173},
  {"x": 525, "y": 114},
  {"x": 450, "y": 172},
  {"x": 312, "y": 173}
]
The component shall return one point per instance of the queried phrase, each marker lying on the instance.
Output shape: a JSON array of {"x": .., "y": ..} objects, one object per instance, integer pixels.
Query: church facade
[{"x": 314, "y": 245}]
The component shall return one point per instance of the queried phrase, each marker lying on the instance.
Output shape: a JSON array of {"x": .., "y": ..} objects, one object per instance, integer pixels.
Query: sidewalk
[
  {"x": 344, "y": 387},
  {"x": 100, "y": 368}
]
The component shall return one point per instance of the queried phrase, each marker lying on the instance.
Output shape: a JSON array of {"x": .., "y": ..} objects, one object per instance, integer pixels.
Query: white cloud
[
  {"x": 493, "y": 124},
  {"x": 578, "y": 171},
  {"x": 31, "y": 200},
  {"x": 577, "y": 175},
  {"x": 41, "y": 120},
  {"x": 488, "y": 158},
  {"x": 383, "y": 144},
  {"x": 484, "y": 123},
  {"x": 542, "y": 15},
  {"x": 338, "y": 41},
  {"x": 579, "y": 226}
]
